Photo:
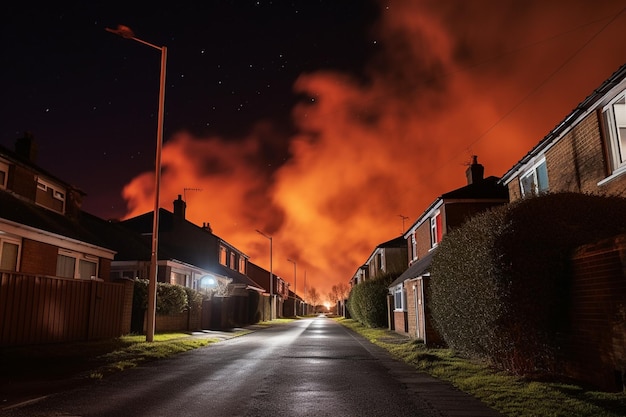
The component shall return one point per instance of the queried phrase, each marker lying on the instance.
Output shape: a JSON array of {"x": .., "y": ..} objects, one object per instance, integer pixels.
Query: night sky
[{"x": 318, "y": 122}]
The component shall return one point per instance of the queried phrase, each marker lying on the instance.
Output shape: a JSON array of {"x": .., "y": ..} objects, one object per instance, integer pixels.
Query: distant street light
[
  {"x": 126, "y": 33},
  {"x": 295, "y": 286},
  {"x": 271, "y": 276}
]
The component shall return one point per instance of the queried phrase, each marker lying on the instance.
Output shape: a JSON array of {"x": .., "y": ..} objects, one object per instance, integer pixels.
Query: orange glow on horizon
[{"x": 443, "y": 88}]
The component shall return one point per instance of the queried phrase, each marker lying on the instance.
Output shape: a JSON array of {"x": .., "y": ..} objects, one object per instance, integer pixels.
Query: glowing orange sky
[{"x": 452, "y": 79}]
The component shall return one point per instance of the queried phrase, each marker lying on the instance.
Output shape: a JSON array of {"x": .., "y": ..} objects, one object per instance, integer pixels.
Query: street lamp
[
  {"x": 295, "y": 286},
  {"x": 126, "y": 33},
  {"x": 271, "y": 276}
]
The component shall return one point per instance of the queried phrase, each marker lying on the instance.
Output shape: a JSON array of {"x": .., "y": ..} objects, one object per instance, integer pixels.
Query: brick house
[
  {"x": 387, "y": 257},
  {"x": 193, "y": 256},
  {"x": 409, "y": 313},
  {"x": 280, "y": 288},
  {"x": 42, "y": 228},
  {"x": 586, "y": 153}
]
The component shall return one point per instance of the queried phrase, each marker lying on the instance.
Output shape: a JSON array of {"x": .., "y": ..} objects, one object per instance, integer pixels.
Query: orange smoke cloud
[{"x": 450, "y": 81}]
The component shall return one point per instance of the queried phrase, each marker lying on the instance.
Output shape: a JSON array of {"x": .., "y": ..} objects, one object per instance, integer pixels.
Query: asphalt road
[{"x": 310, "y": 367}]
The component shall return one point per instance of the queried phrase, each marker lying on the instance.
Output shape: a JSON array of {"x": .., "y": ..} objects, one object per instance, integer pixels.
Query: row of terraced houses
[
  {"x": 67, "y": 275},
  {"x": 585, "y": 153}
]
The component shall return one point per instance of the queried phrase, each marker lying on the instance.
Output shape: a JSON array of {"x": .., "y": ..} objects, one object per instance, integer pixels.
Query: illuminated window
[
  {"x": 9, "y": 254},
  {"x": 436, "y": 230},
  {"x": 535, "y": 180},
  {"x": 176, "y": 278},
  {"x": 615, "y": 122},
  {"x": 223, "y": 255}
]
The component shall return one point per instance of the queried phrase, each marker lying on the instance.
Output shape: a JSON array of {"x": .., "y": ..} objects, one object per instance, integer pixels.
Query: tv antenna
[
  {"x": 403, "y": 219},
  {"x": 189, "y": 189}
]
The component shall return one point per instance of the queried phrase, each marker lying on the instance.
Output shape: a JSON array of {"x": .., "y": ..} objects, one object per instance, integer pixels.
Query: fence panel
[{"x": 41, "y": 309}]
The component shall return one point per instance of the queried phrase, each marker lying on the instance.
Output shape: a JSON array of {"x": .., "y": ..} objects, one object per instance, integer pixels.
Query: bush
[
  {"x": 500, "y": 283},
  {"x": 171, "y": 299},
  {"x": 367, "y": 301}
]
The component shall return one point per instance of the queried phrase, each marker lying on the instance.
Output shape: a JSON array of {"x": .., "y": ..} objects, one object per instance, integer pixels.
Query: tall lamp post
[
  {"x": 126, "y": 33},
  {"x": 295, "y": 287},
  {"x": 271, "y": 275}
]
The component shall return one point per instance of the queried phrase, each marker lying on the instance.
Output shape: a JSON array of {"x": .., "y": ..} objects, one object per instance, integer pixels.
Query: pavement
[{"x": 440, "y": 395}]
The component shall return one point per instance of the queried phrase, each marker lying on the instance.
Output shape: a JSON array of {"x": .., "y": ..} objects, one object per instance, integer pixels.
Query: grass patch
[{"x": 510, "y": 395}]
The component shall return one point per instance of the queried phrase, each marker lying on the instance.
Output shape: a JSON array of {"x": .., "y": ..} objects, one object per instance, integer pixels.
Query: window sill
[{"x": 617, "y": 173}]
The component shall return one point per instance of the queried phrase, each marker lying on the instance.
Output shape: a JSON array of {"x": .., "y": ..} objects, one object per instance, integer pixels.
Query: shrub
[
  {"x": 500, "y": 283},
  {"x": 171, "y": 299},
  {"x": 367, "y": 302}
]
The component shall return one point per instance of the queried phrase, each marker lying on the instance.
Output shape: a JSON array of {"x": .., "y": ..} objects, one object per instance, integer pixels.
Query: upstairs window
[
  {"x": 615, "y": 123},
  {"x": 413, "y": 247},
  {"x": 232, "y": 264},
  {"x": 242, "y": 264},
  {"x": 535, "y": 180},
  {"x": 436, "y": 230},
  {"x": 50, "y": 195},
  {"x": 223, "y": 255},
  {"x": 4, "y": 175}
]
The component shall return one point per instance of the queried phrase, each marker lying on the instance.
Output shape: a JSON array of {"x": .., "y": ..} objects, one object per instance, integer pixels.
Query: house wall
[
  {"x": 422, "y": 237},
  {"x": 400, "y": 322},
  {"x": 22, "y": 182},
  {"x": 38, "y": 258},
  {"x": 459, "y": 213},
  {"x": 577, "y": 162},
  {"x": 596, "y": 352}
]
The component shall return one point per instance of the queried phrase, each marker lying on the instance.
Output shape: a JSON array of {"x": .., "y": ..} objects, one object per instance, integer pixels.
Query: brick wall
[
  {"x": 596, "y": 348},
  {"x": 400, "y": 322},
  {"x": 38, "y": 258}
]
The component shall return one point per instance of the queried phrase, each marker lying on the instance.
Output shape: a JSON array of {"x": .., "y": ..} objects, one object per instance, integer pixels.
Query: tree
[{"x": 313, "y": 296}]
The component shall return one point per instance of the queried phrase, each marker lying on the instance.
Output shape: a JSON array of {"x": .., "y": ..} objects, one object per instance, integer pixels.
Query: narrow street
[{"x": 310, "y": 367}]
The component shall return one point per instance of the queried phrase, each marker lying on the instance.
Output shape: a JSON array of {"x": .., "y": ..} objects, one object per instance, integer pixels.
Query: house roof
[
  {"x": 198, "y": 247},
  {"x": 488, "y": 188},
  {"x": 415, "y": 270},
  {"x": 85, "y": 228},
  {"x": 397, "y": 242},
  {"x": 581, "y": 110}
]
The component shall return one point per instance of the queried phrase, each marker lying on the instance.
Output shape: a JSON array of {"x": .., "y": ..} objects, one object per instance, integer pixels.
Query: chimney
[
  {"x": 207, "y": 227},
  {"x": 26, "y": 147},
  {"x": 179, "y": 208},
  {"x": 475, "y": 171}
]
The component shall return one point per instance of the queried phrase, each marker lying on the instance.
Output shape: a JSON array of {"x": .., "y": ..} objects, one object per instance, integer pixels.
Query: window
[
  {"x": 379, "y": 262},
  {"x": 615, "y": 122},
  {"x": 75, "y": 265},
  {"x": 535, "y": 181},
  {"x": 232, "y": 263},
  {"x": 4, "y": 174},
  {"x": 436, "y": 230},
  {"x": 399, "y": 298},
  {"x": 9, "y": 251},
  {"x": 176, "y": 278},
  {"x": 50, "y": 195},
  {"x": 413, "y": 247},
  {"x": 223, "y": 255},
  {"x": 242, "y": 264}
]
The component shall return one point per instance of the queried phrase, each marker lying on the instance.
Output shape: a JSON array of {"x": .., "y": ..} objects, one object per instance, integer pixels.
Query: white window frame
[
  {"x": 434, "y": 230},
  {"x": 58, "y": 192},
  {"x": 414, "y": 246},
  {"x": 616, "y": 130},
  {"x": 399, "y": 294},
  {"x": 80, "y": 257},
  {"x": 532, "y": 173}
]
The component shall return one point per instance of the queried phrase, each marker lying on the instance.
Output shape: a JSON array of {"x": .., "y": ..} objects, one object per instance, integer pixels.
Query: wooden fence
[{"x": 42, "y": 309}]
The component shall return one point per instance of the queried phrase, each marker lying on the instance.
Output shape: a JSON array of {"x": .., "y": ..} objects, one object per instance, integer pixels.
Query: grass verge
[{"x": 510, "y": 395}]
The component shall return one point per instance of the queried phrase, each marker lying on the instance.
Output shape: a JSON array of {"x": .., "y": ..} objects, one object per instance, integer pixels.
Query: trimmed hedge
[
  {"x": 500, "y": 283},
  {"x": 171, "y": 299},
  {"x": 367, "y": 301}
]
